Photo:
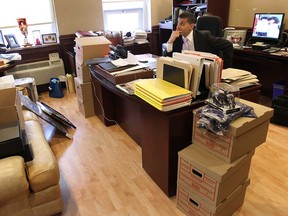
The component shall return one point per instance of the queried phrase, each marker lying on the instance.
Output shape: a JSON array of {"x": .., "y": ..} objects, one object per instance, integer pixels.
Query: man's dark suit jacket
[{"x": 205, "y": 42}]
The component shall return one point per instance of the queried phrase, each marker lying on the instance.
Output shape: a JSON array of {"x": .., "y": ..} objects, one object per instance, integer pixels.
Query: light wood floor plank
[{"x": 102, "y": 174}]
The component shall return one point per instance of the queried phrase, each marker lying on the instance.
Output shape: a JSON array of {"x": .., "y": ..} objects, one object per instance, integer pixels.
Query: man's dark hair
[
  {"x": 190, "y": 17},
  {"x": 276, "y": 20}
]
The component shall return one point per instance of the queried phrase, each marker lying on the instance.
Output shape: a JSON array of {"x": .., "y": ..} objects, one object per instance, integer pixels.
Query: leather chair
[
  {"x": 31, "y": 188},
  {"x": 210, "y": 23}
]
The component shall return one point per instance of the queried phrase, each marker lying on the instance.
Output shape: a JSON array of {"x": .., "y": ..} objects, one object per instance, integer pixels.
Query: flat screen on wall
[{"x": 268, "y": 26}]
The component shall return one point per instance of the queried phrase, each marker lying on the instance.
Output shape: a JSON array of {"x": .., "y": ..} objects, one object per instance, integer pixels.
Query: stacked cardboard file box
[
  {"x": 13, "y": 139},
  {"x": 213, "y": 171},
  {"x": 87, "y": 48}
]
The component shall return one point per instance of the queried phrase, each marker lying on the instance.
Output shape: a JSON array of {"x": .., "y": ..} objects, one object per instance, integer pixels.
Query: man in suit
[{"x": 185, "y": 37}]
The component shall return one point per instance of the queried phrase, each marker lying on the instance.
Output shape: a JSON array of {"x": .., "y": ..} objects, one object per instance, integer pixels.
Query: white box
[
  {"x": 244, "y": 134},
  {"x": 208, "y": 176},
  {"x": 91, "y": 47},
  {"x": 83, "y": 72},
  {"x": 86, "y": 108},
  {"x": 10, "y": 107},
  {"x": 190, "y": 204},
  {"x": 83, "y": 90}
]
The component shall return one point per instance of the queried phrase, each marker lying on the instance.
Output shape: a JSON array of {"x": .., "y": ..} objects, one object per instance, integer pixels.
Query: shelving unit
[{"x": 218, "y": 8}]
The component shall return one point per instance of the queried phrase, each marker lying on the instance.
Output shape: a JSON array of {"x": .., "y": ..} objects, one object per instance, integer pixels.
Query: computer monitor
[{"x": 267, "y": 26}]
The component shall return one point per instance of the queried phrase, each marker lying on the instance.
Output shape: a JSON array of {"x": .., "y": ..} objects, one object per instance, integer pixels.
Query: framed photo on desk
[{"x": 235, "y": 36}]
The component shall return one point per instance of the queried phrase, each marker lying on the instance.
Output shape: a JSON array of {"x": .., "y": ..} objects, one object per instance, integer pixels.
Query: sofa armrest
[
  {"x": 43, "y": 170},
  {"x": 13, "y": 180}
]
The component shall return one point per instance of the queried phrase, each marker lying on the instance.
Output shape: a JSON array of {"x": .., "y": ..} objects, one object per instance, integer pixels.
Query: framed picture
[
  {"x": 12, "y": 41},
  {"x": 49, "y": 38},
  {"x": 235, "y": 36},
  {"x": 2, "y": 43}
]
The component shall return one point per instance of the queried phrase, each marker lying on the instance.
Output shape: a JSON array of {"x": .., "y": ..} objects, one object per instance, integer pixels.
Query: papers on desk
[
  {"x": 239, "y": 78},
  {"x": 206, "y": 69},
  {"x": 8, "y": 58}
]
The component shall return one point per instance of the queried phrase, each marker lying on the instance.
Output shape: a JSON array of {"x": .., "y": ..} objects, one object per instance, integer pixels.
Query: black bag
[
  {"x": 280, "y": 105},
  {"x": 55, "y": 89}
]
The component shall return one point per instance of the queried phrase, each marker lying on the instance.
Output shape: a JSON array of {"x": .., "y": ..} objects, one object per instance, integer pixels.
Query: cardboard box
[
  {"x": 83, "y": 90},
  {"x": 211, "y": 178},
  {"x": 86, "y": 108},
  {"x": 10, "y": 107},
  {"x": 83, "y": 72},
  {"x": 122, "y": 78},
  {"x": 91, "y": 47},
  {"x": 189, "y": 203},
  {"x": 244, "y": 134}
]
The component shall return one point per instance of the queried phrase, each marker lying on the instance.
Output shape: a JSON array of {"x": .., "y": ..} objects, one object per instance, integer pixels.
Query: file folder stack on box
[
  {"x": 87, "y": 48},
  {"x": 161, "y": 94},
  {"x": 213, "y": 171}
]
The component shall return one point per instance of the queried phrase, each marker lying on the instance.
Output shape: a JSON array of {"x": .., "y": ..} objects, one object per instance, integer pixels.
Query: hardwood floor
[{"x": 101, "y": 171}]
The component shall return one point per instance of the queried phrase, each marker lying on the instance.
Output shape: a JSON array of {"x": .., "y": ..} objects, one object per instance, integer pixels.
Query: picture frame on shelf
[
  {"x": 49, "y": 38},
  {"x": 12, "y": 41},
  {"x": 236, "y": 37}
]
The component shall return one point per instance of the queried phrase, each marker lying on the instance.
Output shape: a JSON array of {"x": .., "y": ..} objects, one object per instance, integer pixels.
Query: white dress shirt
[{"x": 188, "y": 43}]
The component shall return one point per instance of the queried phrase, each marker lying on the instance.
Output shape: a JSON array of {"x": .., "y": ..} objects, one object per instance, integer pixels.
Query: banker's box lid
[
  {"x": 88, "y": 41},
  {"x": 211, "y": 165},
  {"x": 243, "y": 124}
]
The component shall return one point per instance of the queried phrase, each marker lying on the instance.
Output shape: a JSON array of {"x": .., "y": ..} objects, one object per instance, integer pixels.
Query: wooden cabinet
[{"x": 218, "y": 8}]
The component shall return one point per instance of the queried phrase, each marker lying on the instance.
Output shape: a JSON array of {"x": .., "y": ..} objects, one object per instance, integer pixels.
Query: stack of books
[
  {"x": 140, "y": 37},
  {"x": 128, "y": 40},
  {"x": 239, "y": 78},
  {"x": 163, "y": 95}
]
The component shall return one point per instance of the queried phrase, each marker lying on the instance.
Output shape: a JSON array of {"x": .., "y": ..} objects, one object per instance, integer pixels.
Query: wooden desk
[
  {"x": 160, "y": 134},
  {"x": 268, "y": 68}
]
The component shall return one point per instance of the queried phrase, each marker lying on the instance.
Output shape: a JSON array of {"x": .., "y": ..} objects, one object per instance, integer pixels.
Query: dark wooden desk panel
[
  {"x": 160, "y": 134},
  {"x": 268, "y": 68}
]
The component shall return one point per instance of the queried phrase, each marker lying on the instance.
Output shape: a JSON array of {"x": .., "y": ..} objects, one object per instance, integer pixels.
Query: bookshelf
[{"x": 217, "y": 8}]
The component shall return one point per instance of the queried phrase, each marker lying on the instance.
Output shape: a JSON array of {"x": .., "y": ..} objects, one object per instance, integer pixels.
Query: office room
[{"x": 105, "y": 165}]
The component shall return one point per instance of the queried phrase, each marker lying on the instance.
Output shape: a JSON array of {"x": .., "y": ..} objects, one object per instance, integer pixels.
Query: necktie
[{"x": 187, "y": 45}]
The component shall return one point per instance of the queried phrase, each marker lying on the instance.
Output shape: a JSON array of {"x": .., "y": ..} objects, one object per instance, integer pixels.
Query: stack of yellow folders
[{"x": 163, "y": 95}]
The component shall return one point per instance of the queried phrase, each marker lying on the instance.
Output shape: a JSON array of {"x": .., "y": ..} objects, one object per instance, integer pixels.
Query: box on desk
[
  {"x": 91, "y": 47},
  {"x": 211, "y": 178},
  {"x": 124, "y": 77},
  {"x": 190, "y": 204},
  {"x": 10, "y": 107},
  {"x": 244, "y": 134}
]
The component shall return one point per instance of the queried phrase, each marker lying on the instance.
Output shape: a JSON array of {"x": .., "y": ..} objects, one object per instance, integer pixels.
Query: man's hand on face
[{"x": 175, "y": 34}]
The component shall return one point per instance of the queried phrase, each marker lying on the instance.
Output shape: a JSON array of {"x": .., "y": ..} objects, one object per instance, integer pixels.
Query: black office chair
[{"x": 210, "y": 23}]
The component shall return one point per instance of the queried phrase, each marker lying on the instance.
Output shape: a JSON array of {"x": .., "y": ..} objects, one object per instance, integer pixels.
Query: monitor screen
[
  {"x": 174, "y": 71},
  {"x": 174, "y": 75},
  {"x": 268, "y": 25}
]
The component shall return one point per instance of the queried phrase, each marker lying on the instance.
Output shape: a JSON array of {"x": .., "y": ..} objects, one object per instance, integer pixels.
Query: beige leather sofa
[{"x": 31, "y": 188}]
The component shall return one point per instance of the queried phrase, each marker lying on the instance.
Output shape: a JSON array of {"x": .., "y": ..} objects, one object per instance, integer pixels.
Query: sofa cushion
[
  {"x": 43, "y": 170},
  {"x": 13, "y": 178}
]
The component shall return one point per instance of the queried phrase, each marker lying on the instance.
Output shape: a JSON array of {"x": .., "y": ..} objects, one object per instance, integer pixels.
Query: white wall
[
  {"x": 73, "y": 15},
  {"x": 242, "y": 12}
]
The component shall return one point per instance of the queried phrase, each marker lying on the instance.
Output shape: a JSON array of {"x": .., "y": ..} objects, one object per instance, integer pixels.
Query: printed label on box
[{"x": 197, "y": 180}]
